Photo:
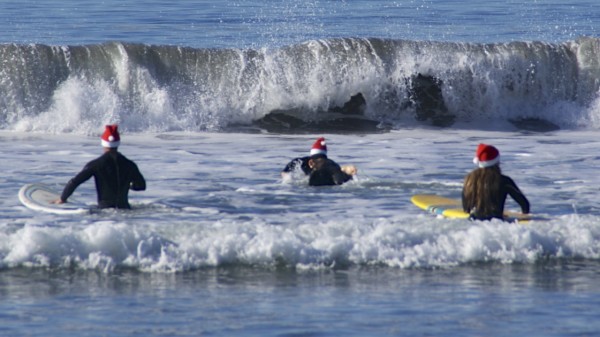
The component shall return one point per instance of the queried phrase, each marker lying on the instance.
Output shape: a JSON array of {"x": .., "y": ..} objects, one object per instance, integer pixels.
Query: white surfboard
[{"x": 39, "y": 197}]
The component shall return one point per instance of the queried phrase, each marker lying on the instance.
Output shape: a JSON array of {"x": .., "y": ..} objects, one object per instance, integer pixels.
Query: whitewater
[
  {"x": 208, "y": 204},
  {"x": 214, "y": 99},
  {"x": 172, "y": 88}
]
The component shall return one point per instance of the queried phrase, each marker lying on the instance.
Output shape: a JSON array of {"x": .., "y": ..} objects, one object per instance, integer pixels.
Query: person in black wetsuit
[
  {"x": 320, "y": 169},
  {"x": 113, "y": 174},
  {"x": 485, "y": 188}
]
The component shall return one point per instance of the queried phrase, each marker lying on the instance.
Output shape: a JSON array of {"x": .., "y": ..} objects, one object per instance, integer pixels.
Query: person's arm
[
  {"x": 294, "y": 164},
  {"x": 287, "y": 170},
  {"x": 290, "y": 166},
  {"x": 517, "y": 195},
  {"x": 337, "y": 173},
  {"x": 341, "y": 177},
  {"x": 81, "y": 177},
  {"x": 138, "y": 183}
]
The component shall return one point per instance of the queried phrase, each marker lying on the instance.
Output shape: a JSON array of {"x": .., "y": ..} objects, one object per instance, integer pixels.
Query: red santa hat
[
  {"x": 486, "y": 156},
  {"x": 110, "y": 137},
  {"x": 319, "y": 147}
]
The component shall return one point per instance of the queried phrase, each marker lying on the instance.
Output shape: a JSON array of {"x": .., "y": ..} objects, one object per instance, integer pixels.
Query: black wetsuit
[
  {"x": 507, "y": 187},
  {"x": 302, "y": 162},
  {"x": 326, "y": 171},
  {"x": 114, "y": 175}
]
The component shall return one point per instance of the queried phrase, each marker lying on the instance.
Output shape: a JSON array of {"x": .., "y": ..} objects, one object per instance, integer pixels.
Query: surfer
[
  {"x": 320, "y": 169},
  {"x": 113, "y": 174},
  {"x": 485, "y": 188}
]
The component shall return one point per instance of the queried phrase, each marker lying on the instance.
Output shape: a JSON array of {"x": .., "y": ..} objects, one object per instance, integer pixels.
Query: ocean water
[{"x": 214, "y": 98}]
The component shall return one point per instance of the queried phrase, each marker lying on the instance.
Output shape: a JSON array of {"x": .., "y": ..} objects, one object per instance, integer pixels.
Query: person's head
[
  {"x": 318, "y": 154},
  {"x": 110, "y": 139},
  {"x": 482, "y": 185},
  {"x": 486, "y": 156}
]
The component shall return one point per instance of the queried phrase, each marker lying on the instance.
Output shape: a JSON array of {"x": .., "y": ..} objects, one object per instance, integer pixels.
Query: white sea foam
[
  {"x": 168, "y": 88},
  {"x": 218, "y": 199}
]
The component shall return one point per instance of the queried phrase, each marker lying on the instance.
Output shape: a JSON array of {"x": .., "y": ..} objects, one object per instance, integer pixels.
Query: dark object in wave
[
  {"x": 425, "y": 95},
  {"x": 281, "y": 122},
  {"x": 534, "y": 124},
  {"x": 347, "y": 118},
  {"x": 355, "y": 106}
]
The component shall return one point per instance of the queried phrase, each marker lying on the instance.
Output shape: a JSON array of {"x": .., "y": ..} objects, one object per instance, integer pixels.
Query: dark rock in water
[
  {"x": 348, "y": 118},
  {"x": 355, "y": 106},
  {"x": 278, "y": 122},
  {"x": 425, "y": 94},
  {"x": 534, "y": 124},
  {"x": 442, "y": 120},
  {"x": 350, "y": 124}
]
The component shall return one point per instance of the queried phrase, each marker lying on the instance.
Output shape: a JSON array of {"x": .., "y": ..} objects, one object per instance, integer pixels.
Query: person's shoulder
[
  {"x": 299, "y": 160},
  {"x": 332, "y": 162},
  {"x": 507, "y": 179},
  {"x": 98, "y": 160},
  {"x": 123, "y": 157}
]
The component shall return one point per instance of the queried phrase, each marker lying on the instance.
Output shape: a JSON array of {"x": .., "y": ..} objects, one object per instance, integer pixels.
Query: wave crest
[{"x": 169, "y": 88}]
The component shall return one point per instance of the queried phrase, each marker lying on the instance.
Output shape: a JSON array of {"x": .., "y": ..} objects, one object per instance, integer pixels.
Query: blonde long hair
[{"x": 481, "y": 190}]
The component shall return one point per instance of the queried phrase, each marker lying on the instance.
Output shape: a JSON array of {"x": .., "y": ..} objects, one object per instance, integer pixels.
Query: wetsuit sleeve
[
  {"x": 138, "y": 183},
  {"x": 298, "y": 162},
  {"x": 85, "y": 174},
  {"x": 291, "y": 165},
  {"x": 340, "y": 177},
  {"x": 515, "y": 193},
  {"x": 329, "y": 173}
]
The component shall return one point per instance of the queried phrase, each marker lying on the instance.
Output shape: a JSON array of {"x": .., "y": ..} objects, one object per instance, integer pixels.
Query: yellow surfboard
[{"x": 452, "y": 208}]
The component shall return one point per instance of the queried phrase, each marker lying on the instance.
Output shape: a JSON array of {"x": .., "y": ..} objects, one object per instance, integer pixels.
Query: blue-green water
[{"x": 219, "y": 245}]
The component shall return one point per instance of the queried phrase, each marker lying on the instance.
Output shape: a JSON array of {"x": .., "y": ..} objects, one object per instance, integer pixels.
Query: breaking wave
[{"x": 150, "y": 88}]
